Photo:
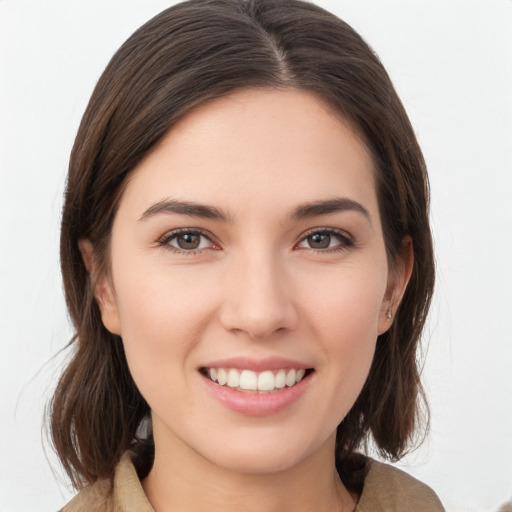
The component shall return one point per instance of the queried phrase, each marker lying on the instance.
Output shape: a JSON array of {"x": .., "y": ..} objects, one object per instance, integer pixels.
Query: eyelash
[
  {"x": 346, "y": 241},
  {"x": 167, "y": 238}
]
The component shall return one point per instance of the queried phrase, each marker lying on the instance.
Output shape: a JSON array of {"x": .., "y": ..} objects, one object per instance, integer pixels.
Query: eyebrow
[
  {"x": 330, "y": 206},
  {"x": 184, "y": 208},
  {"x": 303, "y": 211}
]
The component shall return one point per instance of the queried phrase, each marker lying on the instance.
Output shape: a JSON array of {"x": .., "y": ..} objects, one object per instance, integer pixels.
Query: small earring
[{"x": 389, "y": 313}]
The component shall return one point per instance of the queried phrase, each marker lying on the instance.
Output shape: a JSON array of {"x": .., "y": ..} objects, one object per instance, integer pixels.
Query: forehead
[{"x": 257, "y": 147}]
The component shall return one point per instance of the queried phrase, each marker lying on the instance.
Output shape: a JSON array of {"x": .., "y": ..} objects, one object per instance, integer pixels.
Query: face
[{"x": 249, "y": 279}]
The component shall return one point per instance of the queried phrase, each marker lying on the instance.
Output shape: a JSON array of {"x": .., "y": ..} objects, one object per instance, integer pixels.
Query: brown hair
[{"x": 188, "y": 54}]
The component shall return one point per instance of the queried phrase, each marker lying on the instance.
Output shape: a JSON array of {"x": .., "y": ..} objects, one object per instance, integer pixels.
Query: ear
[
  {"x": 102, "y": 288},
  {"x": 397, "y": 283}
]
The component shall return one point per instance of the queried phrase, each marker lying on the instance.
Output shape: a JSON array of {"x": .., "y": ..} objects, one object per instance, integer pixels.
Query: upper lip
[{"x": 257, "y": 365}]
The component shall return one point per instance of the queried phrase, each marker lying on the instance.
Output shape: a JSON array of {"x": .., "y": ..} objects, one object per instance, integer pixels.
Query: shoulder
[
  {"x": 388, "y": 489},
  {"x": 126, "y": 493},
  {"x": 93, "y": 498}
]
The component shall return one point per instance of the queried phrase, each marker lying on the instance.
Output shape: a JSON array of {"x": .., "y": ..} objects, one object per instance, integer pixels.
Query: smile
[{"x": 267, "y": 381}]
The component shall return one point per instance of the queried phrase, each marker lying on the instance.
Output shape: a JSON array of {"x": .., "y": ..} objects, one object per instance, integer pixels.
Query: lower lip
[{"x": 254, "y": 404}]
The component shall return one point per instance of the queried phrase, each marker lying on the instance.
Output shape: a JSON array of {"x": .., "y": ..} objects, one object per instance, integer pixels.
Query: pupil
[
  {"x": 188, "y": 241},
  {"x": 319, "y": 241}
]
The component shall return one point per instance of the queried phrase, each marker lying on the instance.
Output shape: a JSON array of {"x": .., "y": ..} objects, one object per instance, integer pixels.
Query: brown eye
[
  {"x": 326, "y": 240},
  {"x": 319, "y": 240},
  {"x": 188, "y": 241}
]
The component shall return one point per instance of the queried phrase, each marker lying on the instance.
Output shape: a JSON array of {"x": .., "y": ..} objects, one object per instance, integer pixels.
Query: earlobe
[
  {"x": 398, "y": 281},
  {"x": 106, "y": 300},
  {"x": 102, "y": 289},
  {"x": 86, "y": 251}
]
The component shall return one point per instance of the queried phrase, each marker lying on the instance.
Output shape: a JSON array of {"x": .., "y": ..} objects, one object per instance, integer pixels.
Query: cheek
[
  {"x": 162, "y": 316},
  {"x": 155, "y": 300},
  {"x": 348, "y": 305},
  {"x": 345, "y": 319}
]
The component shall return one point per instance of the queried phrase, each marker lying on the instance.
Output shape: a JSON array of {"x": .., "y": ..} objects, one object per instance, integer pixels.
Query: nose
[{"x": 258, "y": 297}]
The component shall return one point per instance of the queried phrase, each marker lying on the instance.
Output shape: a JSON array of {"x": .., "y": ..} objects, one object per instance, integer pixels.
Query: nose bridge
[{"x": 257, "y": 294}]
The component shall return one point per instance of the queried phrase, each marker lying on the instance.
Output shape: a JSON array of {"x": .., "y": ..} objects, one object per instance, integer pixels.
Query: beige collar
[{"x": 386, "y": 489}]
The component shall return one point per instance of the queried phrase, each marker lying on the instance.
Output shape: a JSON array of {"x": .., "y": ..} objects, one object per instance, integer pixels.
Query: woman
[{"x": 248, "y": 264}]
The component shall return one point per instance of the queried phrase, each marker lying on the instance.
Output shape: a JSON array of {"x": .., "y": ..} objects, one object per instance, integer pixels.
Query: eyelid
[
  {"x": 169, "y": 235},
  {"x": 348, "y": 240}
]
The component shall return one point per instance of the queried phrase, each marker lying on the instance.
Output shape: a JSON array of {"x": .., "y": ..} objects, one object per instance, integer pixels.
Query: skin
[{"x": 255, "y": 288}]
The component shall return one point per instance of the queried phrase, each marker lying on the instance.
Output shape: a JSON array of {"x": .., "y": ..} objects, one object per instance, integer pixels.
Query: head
[{"x": 192, "y": 55}]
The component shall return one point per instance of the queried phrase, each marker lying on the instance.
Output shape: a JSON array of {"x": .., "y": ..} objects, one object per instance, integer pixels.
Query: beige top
[{"x": 386, "y": 489}]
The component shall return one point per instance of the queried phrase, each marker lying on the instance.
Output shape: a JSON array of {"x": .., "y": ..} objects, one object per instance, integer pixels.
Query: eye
[
  {"x": 326, "y": 240},
  {"x": 187, "y": 241}
]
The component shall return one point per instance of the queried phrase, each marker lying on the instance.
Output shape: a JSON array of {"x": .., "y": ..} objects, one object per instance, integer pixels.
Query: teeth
[
  {"x": 222, "y": 376},
  {"x": 233, "y": 378},
  {"x": 300, "y": 375},
  {"x": 248, "y": 380},
  {"x": 290, "y": 378},
  {"x": 266, "y": 381},
  {"x": 280, "y": 379}
]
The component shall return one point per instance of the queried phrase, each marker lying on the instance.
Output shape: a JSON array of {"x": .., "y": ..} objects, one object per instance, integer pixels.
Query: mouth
[{"x": 249, "y": 381}]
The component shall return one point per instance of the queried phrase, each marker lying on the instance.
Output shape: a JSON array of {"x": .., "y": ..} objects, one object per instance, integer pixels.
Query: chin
[
  {"x": 260, "y": 463},
  {"x": 259, "y": 457}
]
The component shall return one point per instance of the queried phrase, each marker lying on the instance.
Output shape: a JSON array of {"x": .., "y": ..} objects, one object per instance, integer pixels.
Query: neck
[{"x": 183, "y": 480}]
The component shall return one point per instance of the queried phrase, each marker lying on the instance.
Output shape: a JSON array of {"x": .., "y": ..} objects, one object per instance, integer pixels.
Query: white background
[{"x": 451, "y": 61}]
